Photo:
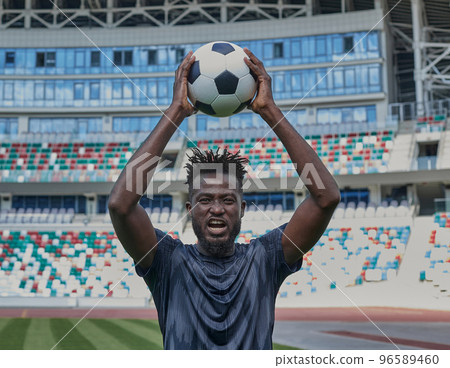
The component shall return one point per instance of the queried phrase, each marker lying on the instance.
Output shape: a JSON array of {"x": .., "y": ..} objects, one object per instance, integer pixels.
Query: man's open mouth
[{"x": 216, "y": 226}]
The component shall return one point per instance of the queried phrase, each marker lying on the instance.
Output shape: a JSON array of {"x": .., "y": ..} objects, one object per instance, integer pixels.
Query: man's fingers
[
  {"x": 252, "y": 57},
  {"x": 185, "y": 64}
]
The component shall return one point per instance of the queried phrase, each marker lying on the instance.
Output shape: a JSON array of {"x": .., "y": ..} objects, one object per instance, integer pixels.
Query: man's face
[{"x": 216, "y": 212}]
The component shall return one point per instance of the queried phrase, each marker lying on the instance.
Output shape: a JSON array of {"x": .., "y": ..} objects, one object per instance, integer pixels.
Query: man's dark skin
[{"x": 134, "y": 228}]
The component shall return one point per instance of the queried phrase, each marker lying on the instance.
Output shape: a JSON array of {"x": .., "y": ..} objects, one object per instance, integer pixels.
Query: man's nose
[{"x": 217, "y": 207}]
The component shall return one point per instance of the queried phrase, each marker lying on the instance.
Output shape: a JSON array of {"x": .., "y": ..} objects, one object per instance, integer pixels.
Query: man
[{"x": 218, "y": 294}]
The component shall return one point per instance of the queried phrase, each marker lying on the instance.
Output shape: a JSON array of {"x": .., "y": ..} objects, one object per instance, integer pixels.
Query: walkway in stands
[{"x": 314, "y": 328}]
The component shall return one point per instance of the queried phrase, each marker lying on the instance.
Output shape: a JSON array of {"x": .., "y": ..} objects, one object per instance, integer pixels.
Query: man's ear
[
  {"x": 188, "y": 207},
  {"x": 243, "y": 206}
]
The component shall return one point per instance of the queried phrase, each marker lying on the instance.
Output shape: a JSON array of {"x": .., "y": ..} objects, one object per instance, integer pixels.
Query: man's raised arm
[
  {"x": 131, "y": 223},
  {"x": 312, "y": 217}
]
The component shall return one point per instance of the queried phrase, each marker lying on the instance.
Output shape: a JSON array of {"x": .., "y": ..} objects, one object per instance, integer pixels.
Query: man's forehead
[{"x": 215, "y": 179}]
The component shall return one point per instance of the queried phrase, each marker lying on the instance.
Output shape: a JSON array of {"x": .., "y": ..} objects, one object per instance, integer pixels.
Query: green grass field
[{"x": 90, "y": 334}]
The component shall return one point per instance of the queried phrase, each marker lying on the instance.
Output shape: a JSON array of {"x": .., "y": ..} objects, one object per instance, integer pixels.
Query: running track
[{"x": 282, "y": 314}]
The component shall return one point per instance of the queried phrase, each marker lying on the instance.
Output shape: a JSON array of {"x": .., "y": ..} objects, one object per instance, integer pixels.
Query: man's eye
[
  {"x": 204, "y": 200},
  {"x": 229, "y": 200}
]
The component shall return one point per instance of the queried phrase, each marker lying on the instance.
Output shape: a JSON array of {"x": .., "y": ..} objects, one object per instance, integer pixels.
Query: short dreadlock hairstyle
[{"x": 226, "y": 158}]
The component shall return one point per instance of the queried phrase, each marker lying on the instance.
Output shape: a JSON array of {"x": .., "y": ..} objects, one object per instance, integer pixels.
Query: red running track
[{"x": 376, "y": 314}]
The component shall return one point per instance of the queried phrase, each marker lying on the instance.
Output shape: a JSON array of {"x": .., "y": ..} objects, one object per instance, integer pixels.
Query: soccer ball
[{"x": 219, "y": 82}]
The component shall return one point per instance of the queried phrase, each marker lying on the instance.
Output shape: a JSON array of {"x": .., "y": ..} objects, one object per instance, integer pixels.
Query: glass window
[
  {"x": 79, "y": 59},
  {"x": 128, "y": 58},
  {"x": 78, "y": 91},
  {"x": 127, "y": 90},
  {"x": 95, "y": 58},
  {"x": 296, "y": 82},
  {"x": 267, "y": 50},
  {"x": 374, "y": 76},
  {"x": 179, "y": 55},
  {"x": 40, "y": 59},
  {"x": 117, "y": 90},
  {"x": 335, "y": 115},
  {"x": 45, "y": 59},
  {"x": 163, "y": 90},
  {"x": 124, "y": 57},
  {"x": 152, "y": 57},
  {"x": 151, "y": 89},
  {"x": 338, "y": 78},
  {"x": 372, "y": 40},
  {"x": 349, "y": 77},
  {"x": 39, "y": 91},
  {"x": 320, "y": 46},
  {"x": 10, "y": 58},
  {"x": 278, "y": 51},
  {"x": 94, "y": 91},
  {"x": 371, "y": 114},
  {"x": 348, "y": 44},
  {"x": 50, "y": 90},
  {"x": 279, "y": 82},
  {"x": 8, "y": 91},
  {"x": 360, "y": 114},
  {"x": 296, "y": 48},
  {"x": 117, "y": 57},
  {"x": 323, "y": 116},
  {"x": 337, "y": 45},
  {"x": 50, "y": 59}
]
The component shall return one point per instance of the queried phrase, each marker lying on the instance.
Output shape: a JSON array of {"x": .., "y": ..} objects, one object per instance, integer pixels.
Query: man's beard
[{"x": 216, "y": 248}]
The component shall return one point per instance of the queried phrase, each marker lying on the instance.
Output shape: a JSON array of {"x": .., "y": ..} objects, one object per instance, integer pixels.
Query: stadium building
[{"x": 367, "y": 83}]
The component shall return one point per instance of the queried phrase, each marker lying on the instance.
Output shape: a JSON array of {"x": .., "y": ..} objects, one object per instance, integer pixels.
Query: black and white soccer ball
[{"x": 219, "y": 82}]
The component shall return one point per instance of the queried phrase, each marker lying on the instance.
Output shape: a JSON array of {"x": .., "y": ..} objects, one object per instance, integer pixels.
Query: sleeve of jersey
[
  {"x": 272, "y": 243},
  {"x": 161, "y": 262}
]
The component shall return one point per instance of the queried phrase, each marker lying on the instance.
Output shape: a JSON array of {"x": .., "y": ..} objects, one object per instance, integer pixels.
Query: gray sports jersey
[{"x": 217, "y": 303}]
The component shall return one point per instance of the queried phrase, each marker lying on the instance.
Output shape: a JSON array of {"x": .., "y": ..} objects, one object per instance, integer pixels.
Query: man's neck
[{"x": 216, "y": 252}]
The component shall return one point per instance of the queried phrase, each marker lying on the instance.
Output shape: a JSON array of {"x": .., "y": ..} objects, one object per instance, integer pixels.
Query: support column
[
  {"x": 109, "y": 13},
  {"x": 5, "y": 201},
  {"x": 417, "y": 23},
  {"x": 375, "y": 194},
  {"x": 27, "y": 19},
  {"x": 309, "y": 8},
  {"x": 91, "y": 204}
]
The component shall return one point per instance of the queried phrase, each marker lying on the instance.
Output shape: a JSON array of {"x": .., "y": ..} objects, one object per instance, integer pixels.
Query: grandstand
[{"x": 83, "y": 83}]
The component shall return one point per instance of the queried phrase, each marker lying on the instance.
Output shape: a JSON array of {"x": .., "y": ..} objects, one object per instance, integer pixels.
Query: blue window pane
[
  {"x": 296, "y": 48},
  {"x": 127, "y": 90},
  {"x": 8, "y": 91},
  {"x": 374, "y": 76},
  {"x": 371, "y": 114},
  {"x": 117, "y": 124},
  {"x": 78, "y": 91},
  {"x": 49, "y": 91},
  {"x": 201, "y": 123},
  {"x": 117, "y": 90},
  {"x": 320, "y": 46},
  {"x": 279, "y": 82},
  {"x": 372, "y": 41},
  {"x": 338, "y": 78},
  {"x": 134, "y": 125},
  {"x": 152, "y": 90},
  {"x": 163, "y": 90},
  {"x": 267, "y": 50},
  {"x": 323, "y": 116},
  {"x": 335, "y": 116},
  {"x": 349, "y": 78},
  {"x": 79, "y": 59},
  {"x": 39, "y": 91},
  {"x": 360, "y": 114},
  {"x": 94, "y": 92}
]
